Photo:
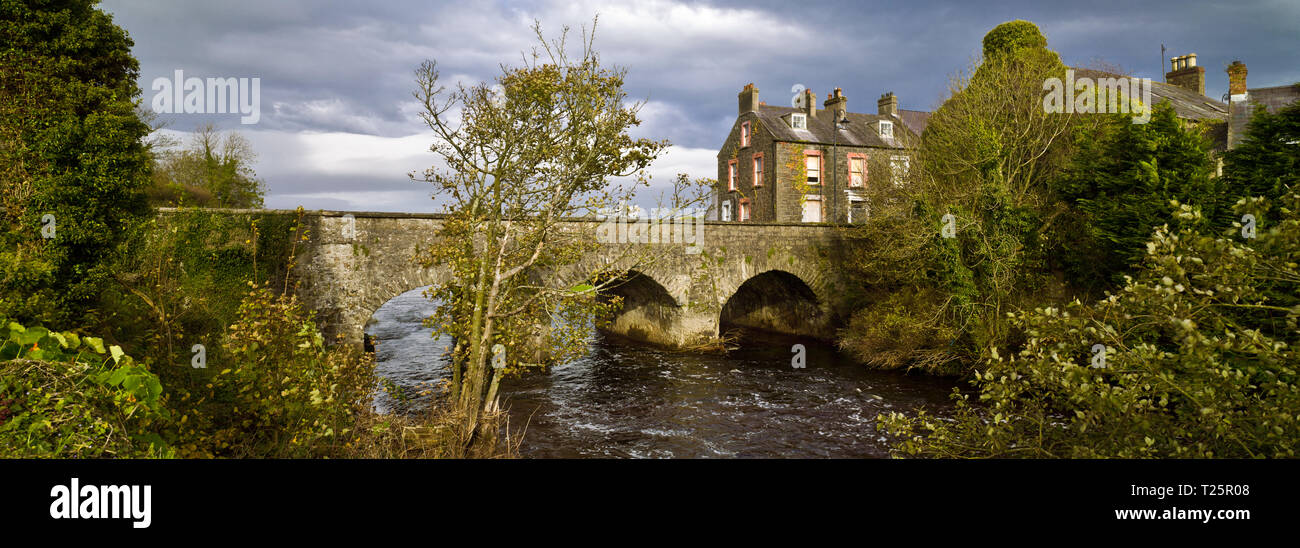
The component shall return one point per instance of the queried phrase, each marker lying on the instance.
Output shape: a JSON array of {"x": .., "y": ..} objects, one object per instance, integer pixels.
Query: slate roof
[
  {"x": 1187, "y": 104},
  {"x": 860, "y": 131},
  {"x": 916, "y": 120},
  {"x": 1273, "y": 99}
]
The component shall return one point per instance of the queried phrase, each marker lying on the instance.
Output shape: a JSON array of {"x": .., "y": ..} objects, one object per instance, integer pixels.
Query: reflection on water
[
  {"x": 625, "y": 399},
  {"x": 405, "y": 353}
]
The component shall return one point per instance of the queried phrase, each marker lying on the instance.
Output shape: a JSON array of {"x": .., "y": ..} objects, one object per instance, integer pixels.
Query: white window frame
[
  {"x": 799, "y": 121},
  {"x": 900, "y": 165},
  {"x": 887, "y": 129},
  {"x": 726, "y": 210},
  {"x": 807, "y": 199},
  {"x": 820, "y": 168},
  {"x": 862, "y": 183},
  {"x": 854, "y": 197}
]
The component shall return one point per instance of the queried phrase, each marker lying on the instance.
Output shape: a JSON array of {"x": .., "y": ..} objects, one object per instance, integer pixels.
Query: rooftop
[{"x": 860, "y": 131}]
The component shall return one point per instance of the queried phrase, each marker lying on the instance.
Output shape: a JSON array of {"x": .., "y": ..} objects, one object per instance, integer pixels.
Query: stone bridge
[{"x": 778, "y": 277}]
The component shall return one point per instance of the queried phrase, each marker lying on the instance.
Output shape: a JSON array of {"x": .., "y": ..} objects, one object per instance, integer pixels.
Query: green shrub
[
  {"x": 1013, "y": 36},
  {"x": 65, "y": 396},
  {"x": 1201, "y": 360},
  {"x": 280, "y": 392}
]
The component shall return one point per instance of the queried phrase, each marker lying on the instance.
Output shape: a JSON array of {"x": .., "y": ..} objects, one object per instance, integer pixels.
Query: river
[{"x": 630, "y": 400}]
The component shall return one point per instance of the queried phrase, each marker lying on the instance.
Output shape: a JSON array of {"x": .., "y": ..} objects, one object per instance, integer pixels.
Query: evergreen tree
[
  {"x": 1121, "y": 182},
  {"x": 1268, "y": 160}
]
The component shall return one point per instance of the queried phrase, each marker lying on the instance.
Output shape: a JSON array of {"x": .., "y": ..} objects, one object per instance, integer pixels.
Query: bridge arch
[
  {"x": 779, "y": 301},
  {"x": 649, "y": 311}
]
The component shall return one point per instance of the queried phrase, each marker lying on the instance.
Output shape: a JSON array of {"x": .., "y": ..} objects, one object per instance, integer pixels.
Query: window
[
  {"x": 857, "y": 209},
  {"x": 813, "y": 163},
  {"x": 812, "y": 208},
  {"x": 900, "y": 166},
  {"x": 731, "y": 175},
  {"x": 726, "y": 210},
  {"x": 886, "y": 129},
  {"x": 744, "y": 134},
  {"x": 799, "y": 121},
  {"x": 857, "y": 170},
  {"x": 744, "y": 209},
  {"x": 758, "y": 170}
]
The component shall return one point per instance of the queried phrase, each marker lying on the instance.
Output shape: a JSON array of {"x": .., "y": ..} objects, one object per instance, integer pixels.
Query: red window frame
[
  {"x": 744, "y": 134},
  {"x": 758, "y": 169},
  {"x": 743, "y": 215},
  {"x": 821, "y": 164},
  {"x": 857, "y": 156},
  {"x": 731, "y": 175}
]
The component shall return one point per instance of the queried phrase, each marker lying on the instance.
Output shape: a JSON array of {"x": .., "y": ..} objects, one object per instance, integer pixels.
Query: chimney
[
  {"x": 837, "y": 103},
  {"x": 888, "y": 105},
  {"x": 810, "y": 103},
  {"x": 1237, "y": 78},
  {"x": 748, "y": 98},
  {"x": 1185, "y": 74}
]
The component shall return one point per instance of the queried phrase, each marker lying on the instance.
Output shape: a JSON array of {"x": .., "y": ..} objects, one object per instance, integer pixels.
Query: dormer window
[
  {"x": 886, "y": 129},
  {"x": 799, "y": 121}
]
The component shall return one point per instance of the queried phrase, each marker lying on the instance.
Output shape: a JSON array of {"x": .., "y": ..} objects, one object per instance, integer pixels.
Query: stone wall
[{"x": 352, "y": 263}]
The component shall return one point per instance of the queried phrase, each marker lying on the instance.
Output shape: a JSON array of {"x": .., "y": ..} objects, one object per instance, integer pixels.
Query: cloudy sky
[{"x": 339, "y": 127}]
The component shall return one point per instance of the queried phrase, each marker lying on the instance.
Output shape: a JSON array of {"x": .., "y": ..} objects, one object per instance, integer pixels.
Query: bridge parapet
[{"x": 779, "y": 276}]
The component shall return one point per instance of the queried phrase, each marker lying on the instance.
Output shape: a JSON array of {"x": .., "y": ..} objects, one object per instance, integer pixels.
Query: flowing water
[{"x": 629, "y": 400}]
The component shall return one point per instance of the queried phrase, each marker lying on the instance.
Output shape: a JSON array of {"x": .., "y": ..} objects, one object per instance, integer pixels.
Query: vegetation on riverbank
[
  {"x": 1188, "y": 346},
  {"x": 198, "y": 347}
]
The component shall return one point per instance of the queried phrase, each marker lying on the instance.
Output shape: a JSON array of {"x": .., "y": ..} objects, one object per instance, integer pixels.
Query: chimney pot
[
  {"x": 748, "y": 98},
  {"x": 837, "y": 103},
  {"x": 1237, "y": 78},
  {"x": 887, "y": 105},
  {"x": 1186, "y": 74}
]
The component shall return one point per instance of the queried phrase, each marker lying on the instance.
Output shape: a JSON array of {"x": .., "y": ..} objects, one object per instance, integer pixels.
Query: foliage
[
  {"x": 524, "y": 155},
  {"x": 187, "y": 280},
  {"x": 71, "y": 147},
  {"x": 214, "y": 171},
  {"x": 900, "y": 331},
  {"x": 1266, "y": 162},
  {"x": 1200, "y": 361},
  {"x": 67, "y": 396},
  {"x": 1012, "y": 37},
  {"x": 1120, "y": 181},
  {"x": 281, "y": 392},
  {"x": 983, "y": 168}
]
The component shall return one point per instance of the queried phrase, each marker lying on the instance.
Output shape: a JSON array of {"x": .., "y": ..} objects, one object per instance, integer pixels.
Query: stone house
[
  {"x": 1184, "y": 89},
  {"x": 1242, "y": 101},
  {"x": 804, "y": 164}
]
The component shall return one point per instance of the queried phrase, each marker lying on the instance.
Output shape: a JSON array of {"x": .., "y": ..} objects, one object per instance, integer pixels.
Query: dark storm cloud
[{"x": 330, "y": 68}]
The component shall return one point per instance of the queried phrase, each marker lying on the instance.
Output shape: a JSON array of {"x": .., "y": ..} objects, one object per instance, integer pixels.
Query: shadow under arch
[
  {"x": 775, "y": 301},
  {"x": 649, "y": 312}
]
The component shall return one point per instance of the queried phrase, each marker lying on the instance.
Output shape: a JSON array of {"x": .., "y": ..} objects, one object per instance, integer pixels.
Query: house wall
[
  {"x": 779, "y": 197},
  {"x": 761, "y": 198}
]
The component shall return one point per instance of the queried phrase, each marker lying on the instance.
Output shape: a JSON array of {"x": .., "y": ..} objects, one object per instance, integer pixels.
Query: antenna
[{"x": 1162, "y": 62}]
